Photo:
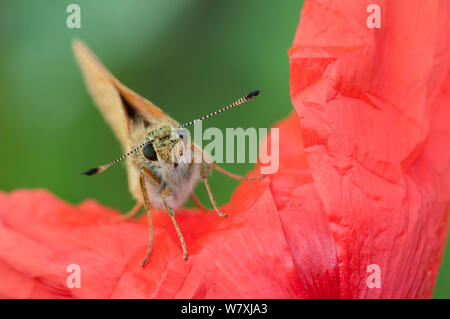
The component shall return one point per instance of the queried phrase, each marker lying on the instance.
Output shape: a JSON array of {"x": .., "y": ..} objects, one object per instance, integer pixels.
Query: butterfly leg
[
  {"x": 164, "y": 195},
  {"x": 148, "y": 208},
  {"x": 135, "y": 210},
  {"x": 234, "y": 176},
  {"x": 208, "y": 189}
]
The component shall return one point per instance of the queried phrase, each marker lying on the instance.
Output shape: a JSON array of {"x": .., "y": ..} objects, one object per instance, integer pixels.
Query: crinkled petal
[{"x": 373, "y": 103}]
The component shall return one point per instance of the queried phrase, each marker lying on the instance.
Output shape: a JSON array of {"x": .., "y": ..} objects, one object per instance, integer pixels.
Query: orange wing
[{"x": 119, "y": 105}]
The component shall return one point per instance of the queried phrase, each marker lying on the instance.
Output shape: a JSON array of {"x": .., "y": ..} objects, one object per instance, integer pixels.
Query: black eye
[{"x": 149, "y": 152}]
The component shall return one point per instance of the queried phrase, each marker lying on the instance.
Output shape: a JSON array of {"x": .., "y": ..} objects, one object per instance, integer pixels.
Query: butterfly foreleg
[
  {"x": 232, "y": 175},
  {"x": 169, "y": 209},
  {"x": 203, "y": 174}
]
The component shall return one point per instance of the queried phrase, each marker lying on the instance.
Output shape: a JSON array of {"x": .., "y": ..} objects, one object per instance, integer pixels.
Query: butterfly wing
[{"x": 120, "y": 106}]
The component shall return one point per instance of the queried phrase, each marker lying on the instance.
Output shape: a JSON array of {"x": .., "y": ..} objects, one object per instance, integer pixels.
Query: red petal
[
  {"x": 41, "y": 235},
  {"x": 373, "y": 104}
]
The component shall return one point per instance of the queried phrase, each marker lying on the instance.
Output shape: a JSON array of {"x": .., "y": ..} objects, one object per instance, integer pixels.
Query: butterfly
[{"x": 163, "y": 166}]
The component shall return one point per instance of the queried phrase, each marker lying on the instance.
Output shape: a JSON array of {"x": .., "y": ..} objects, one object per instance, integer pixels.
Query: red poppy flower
[
  {"x": 374, "y": 104},
  {"x": 370, "y": 187}
]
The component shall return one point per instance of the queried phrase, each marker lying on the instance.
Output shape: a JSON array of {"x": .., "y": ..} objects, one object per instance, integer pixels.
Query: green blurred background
[{"x": 187, "y": 56}]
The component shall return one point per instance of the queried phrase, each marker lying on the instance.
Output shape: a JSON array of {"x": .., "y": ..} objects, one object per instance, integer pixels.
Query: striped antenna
[
  {"x": 242, "y": 100},
  {"x": 102, "y": 168}
]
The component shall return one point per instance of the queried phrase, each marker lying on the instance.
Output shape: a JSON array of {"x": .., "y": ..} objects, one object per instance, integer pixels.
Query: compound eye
[{"x": 149, "y": 152}]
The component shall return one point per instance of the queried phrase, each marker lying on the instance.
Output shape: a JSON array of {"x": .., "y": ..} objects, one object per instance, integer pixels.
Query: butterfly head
[{"x": 165, "y": 144}]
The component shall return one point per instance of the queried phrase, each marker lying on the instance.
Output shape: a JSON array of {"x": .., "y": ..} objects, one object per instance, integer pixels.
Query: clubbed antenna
[{"x": 242, "y": 100}]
